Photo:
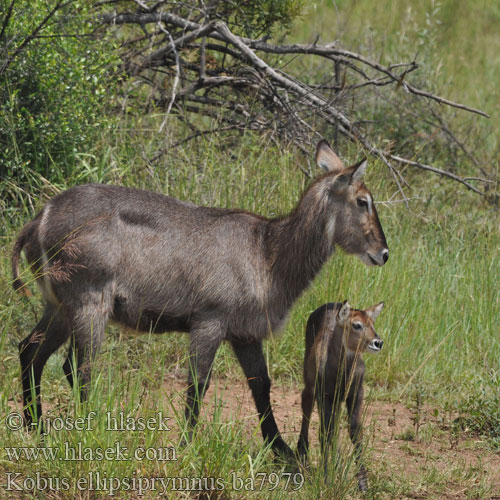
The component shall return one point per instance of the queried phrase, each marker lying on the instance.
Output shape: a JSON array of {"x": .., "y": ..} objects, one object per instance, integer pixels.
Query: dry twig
[{"x": 237, "y": 81}]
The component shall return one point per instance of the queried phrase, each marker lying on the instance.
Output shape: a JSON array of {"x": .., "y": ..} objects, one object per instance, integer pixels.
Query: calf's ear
[
  {"x": 344, "y": 312},
  {"x": 375, "y": 310}
]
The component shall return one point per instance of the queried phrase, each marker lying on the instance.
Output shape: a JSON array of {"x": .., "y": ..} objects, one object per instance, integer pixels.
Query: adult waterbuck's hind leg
[
  {"x": 69, "y": 366},
  {"x": 88, "y": 321},
  {"x": 34, "y": 351},
  {"x": 205, "y": 339},
  {"x": 81, "y": 354},
  {"x": 254, "y": 366}
]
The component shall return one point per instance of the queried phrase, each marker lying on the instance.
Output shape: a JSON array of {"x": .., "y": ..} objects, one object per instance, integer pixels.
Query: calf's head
[{"x": 359, "y": 334}]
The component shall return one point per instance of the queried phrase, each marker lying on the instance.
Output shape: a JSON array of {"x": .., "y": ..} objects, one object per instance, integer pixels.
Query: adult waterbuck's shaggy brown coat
[
  {"x": 158, "y": 264},
  {"x": 336, "y": 337}
]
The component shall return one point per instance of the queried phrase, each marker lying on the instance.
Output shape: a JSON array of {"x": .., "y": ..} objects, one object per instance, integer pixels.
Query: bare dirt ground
[{"x": 438, "y": 465}]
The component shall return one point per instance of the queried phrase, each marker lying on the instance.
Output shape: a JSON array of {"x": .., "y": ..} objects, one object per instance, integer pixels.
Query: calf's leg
[
  {"x": 307, "y": 407},
  {"x": 354, "y": 402},
  {"x": 327, "y": 413}
]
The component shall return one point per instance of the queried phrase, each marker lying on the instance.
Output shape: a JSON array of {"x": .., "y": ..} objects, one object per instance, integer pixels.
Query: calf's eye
[
  {"x": 362, "y": 202},
  {"x": 357, "y": 326}
]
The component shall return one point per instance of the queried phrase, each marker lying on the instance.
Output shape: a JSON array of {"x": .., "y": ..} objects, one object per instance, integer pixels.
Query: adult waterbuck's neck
[{"x": 337, "y": 209}]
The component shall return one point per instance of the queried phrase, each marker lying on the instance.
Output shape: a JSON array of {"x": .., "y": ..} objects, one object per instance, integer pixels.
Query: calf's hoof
[{"x": 362, "y": 484}]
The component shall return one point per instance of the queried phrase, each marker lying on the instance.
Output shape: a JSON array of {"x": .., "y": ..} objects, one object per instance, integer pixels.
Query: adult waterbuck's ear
[
  {"x": 358, "y": 171},
  {"x": 374, "y": 311},
  {"x": 350, "y": 175},
  {"x": 327, "y": 159}
]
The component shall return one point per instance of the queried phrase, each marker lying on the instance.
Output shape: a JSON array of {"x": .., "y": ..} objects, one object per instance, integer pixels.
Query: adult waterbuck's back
[{"x": 158, "y": 264}]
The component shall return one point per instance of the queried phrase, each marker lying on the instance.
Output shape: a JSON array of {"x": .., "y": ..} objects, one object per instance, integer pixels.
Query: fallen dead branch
[{"x": 201, "y": 67}]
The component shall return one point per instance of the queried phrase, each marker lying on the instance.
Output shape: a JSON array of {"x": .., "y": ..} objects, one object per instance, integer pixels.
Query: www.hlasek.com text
[{"x": 77, "y": 452}]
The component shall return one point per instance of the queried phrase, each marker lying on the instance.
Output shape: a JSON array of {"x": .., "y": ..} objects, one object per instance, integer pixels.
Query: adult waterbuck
[
  {"x": 154, "y": 263},
  {"x": 336, "y": 336}
]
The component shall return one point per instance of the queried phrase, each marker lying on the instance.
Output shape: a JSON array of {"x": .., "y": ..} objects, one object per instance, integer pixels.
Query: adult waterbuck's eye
[
  {"x": 362, "y": 202},
  {"x": 357, "y": 326}
]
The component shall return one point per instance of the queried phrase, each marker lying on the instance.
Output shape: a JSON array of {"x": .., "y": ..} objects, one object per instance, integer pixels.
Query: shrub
[
  {"x": 51, "y": 91},
  {"x": 480, "y": 414}
]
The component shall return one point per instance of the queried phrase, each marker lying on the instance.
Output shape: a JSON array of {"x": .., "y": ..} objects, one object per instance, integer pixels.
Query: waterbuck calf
[
  {"x": 336, "y": 335},
  {"x": 154, "y": 263}
]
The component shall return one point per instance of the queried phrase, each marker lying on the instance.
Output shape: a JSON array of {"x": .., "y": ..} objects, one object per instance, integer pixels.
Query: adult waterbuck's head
[{"x": 357, "y": 227}]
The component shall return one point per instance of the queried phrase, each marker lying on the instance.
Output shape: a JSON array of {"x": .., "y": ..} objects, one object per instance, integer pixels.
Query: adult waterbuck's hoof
[
  {"x": 34, "y": 427},
  {"x": 283, "y": 452},
  {"x": 303, "y": 461}
]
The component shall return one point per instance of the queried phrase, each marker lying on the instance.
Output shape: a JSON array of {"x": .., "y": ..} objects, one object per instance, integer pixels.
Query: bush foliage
[{"x": 52, "y": 92}]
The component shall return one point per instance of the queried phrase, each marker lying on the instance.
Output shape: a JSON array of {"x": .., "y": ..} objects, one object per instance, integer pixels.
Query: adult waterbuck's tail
[
  {"x": 154, "y": 263},
  {"x": 24, "y": 237}
]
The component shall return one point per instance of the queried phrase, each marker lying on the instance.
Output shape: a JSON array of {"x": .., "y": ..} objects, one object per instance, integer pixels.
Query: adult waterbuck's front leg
[
  {"x": 254, "y": 366},
  {"x": 206, "y": 337}
]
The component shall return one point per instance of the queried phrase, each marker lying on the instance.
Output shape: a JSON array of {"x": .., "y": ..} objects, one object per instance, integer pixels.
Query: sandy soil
[{"x": 390, "y": 452}]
